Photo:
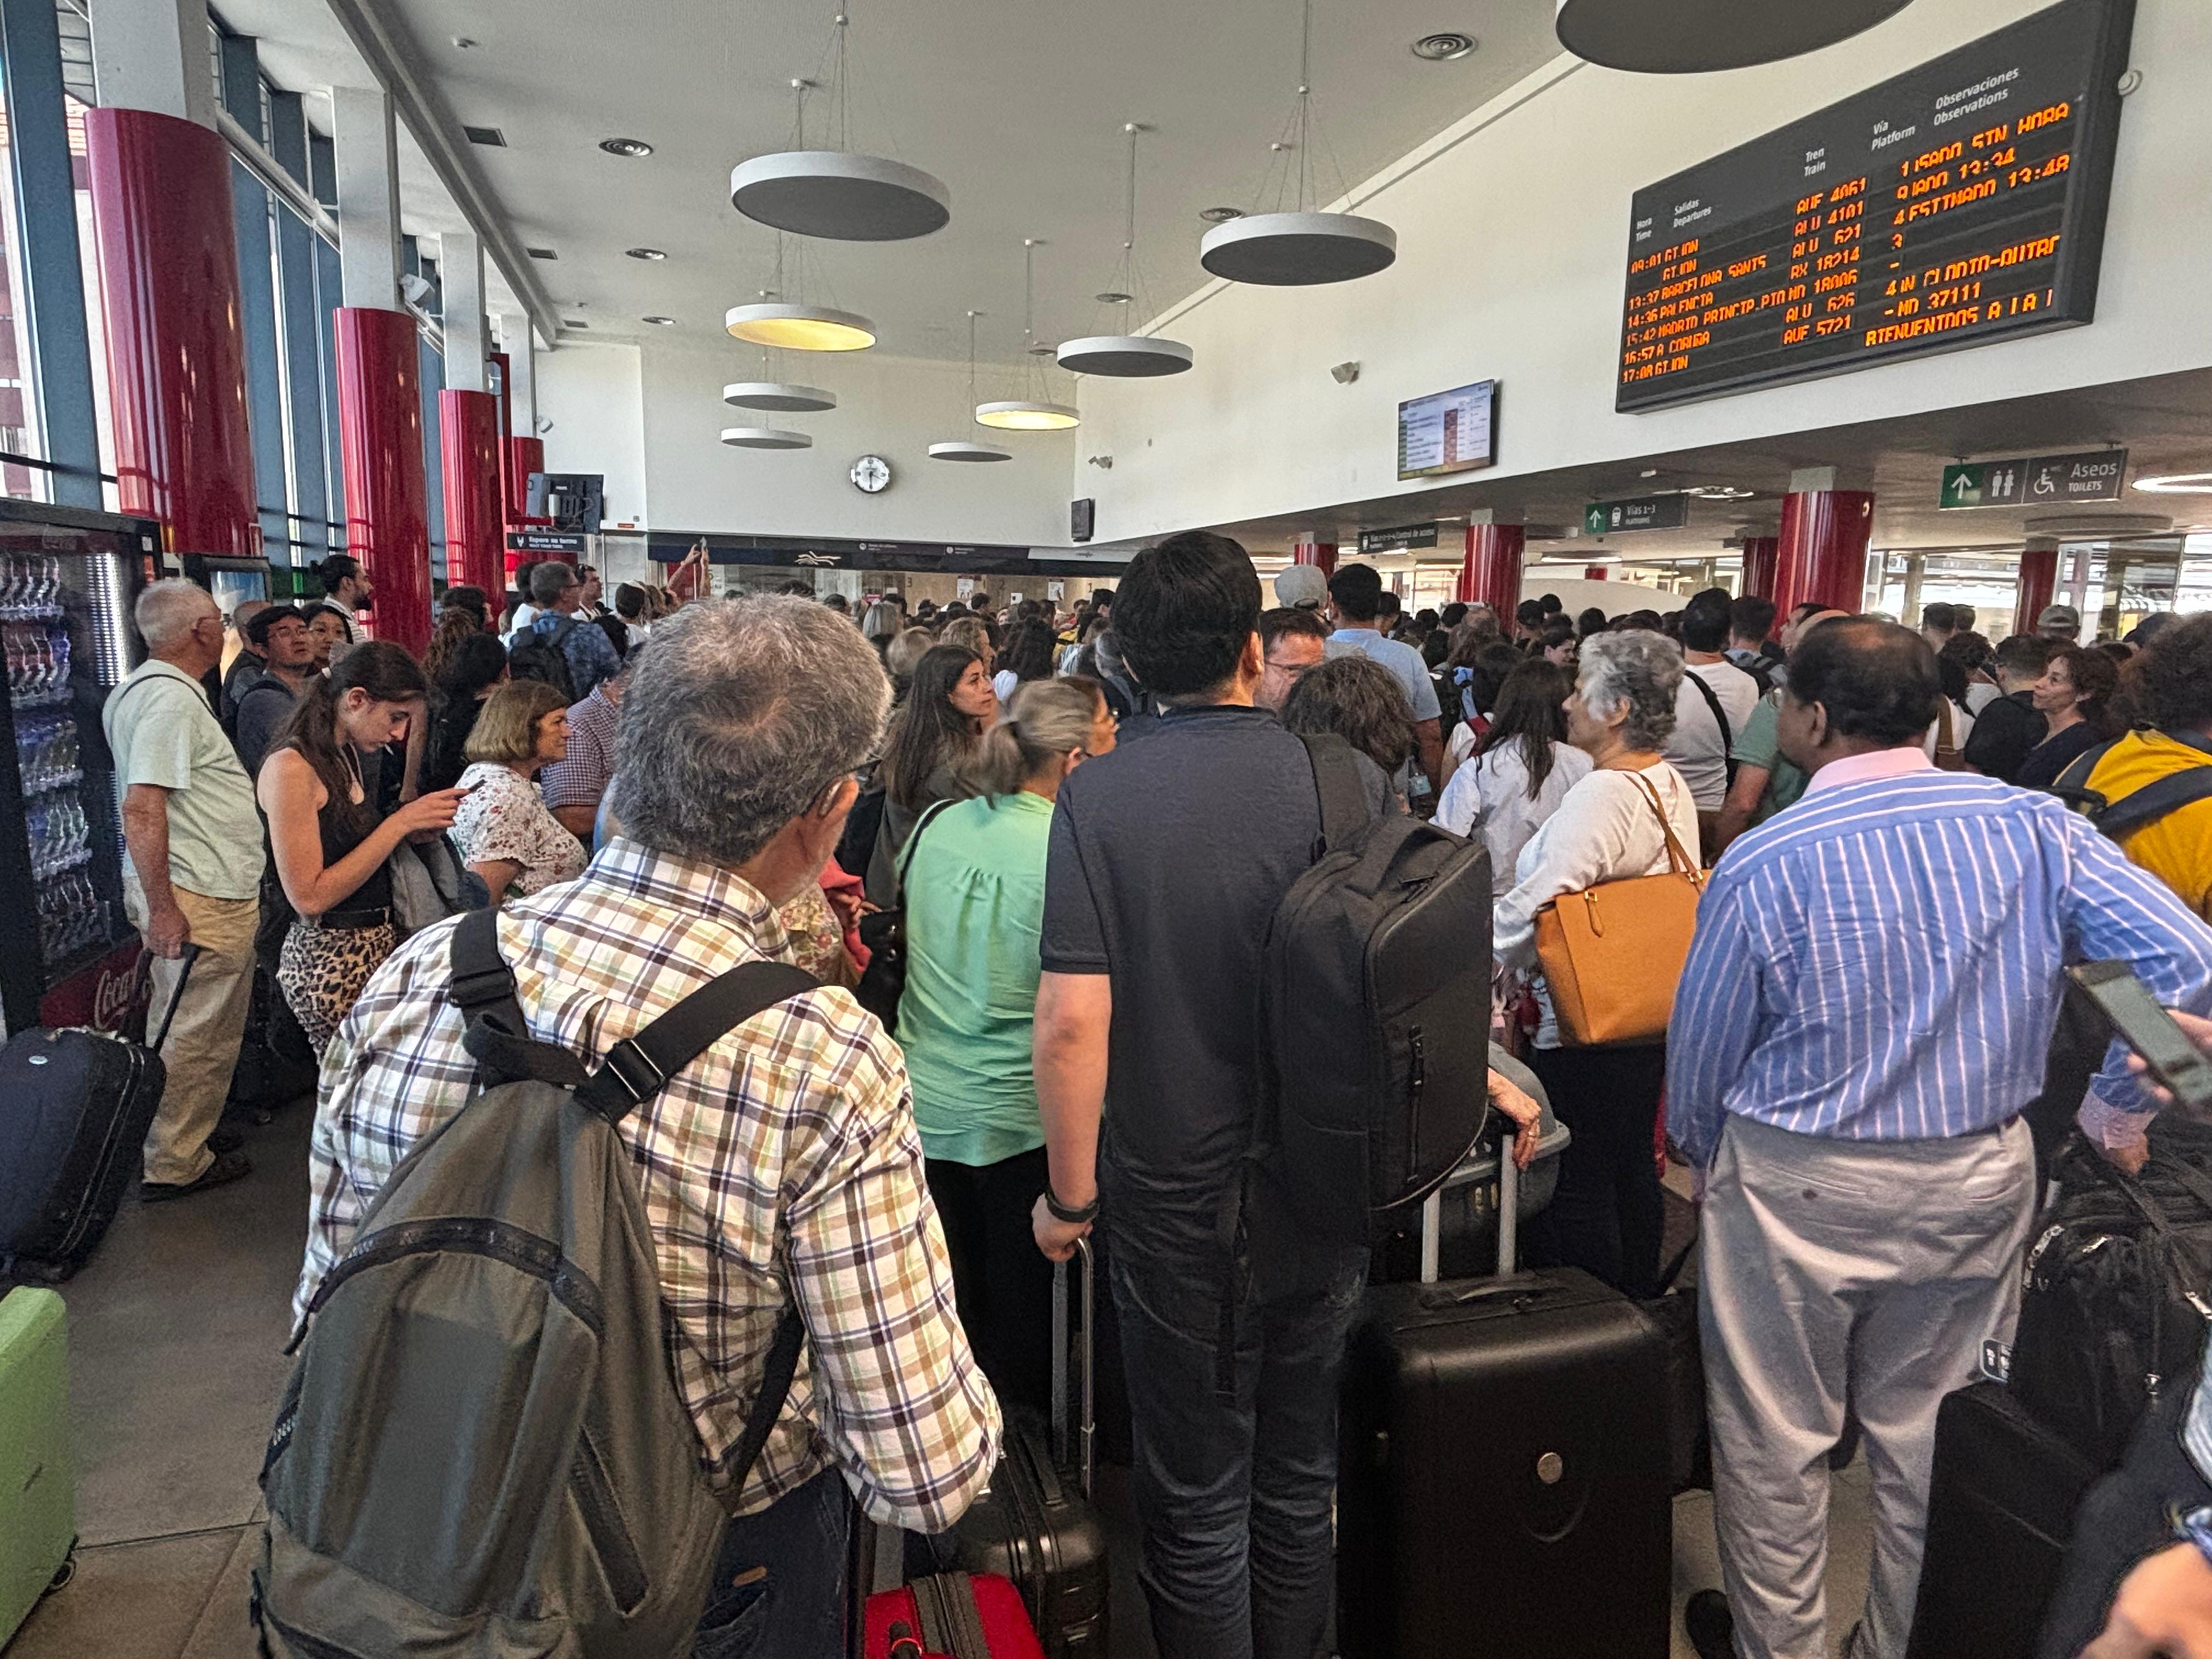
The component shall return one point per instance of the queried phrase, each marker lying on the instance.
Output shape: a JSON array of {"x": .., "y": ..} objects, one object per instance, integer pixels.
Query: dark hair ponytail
[{"x": 381, "y": 671}]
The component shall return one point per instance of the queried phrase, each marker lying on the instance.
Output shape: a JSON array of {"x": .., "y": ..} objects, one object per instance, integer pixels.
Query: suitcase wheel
[{"x": 65, "y": 1572}]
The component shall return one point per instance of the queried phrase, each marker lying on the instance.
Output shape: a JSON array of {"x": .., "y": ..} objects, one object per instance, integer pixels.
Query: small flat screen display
[{"x": 1454, "y": 431}]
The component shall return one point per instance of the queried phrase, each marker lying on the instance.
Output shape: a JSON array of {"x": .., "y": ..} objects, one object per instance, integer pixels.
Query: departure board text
[{"x": 1961, "y": 203}]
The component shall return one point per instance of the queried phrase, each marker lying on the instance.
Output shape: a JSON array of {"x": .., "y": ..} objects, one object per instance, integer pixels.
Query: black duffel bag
[{"x": 2118, "y": 1289}]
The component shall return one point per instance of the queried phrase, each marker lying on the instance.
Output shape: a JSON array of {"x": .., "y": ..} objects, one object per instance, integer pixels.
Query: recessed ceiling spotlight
[
  {"x": 660, "y": 322},
  {"x": 1444, "y": 47},
  {"x": 645, "y": 253},
  {"x": 462, "y": 42},
  {"x": 1220, "y": 216},
  {"x": 2178, "y": 483},
  {"x": 631, "y": 149},
  {"x": 1110, "y": 298},
  {"x": 1043, "y": 351}
]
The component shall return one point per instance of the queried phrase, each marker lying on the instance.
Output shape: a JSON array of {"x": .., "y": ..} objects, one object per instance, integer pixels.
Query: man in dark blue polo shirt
[{"x": 1168, "y": 859}]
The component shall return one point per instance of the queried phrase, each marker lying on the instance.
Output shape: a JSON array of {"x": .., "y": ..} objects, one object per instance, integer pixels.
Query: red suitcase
[{"x": 950, "y": 1615}]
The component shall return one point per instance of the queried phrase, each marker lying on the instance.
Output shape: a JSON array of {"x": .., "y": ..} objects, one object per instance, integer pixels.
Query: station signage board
[
  {"x": 1960, "y": 202},
  {"x": 546, "y": 541},
  {"x": 1397, "y": 538},
  {"x": 2036, "y": 480},
  {"x": 1670, "y": 512}
]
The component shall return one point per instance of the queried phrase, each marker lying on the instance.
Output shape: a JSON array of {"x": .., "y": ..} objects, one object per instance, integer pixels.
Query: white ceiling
[{"x": 1018, "y": 105}]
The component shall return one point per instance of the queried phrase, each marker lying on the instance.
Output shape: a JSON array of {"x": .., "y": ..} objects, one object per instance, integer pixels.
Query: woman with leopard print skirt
[{"x": 332, "y": 850}]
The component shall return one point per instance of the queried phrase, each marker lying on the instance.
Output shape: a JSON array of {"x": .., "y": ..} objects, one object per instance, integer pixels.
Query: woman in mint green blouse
[{"x": 974, "y": 894}]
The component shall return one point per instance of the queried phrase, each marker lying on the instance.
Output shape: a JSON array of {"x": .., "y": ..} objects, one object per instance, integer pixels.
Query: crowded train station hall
[{"x": 1298, "y": 829}]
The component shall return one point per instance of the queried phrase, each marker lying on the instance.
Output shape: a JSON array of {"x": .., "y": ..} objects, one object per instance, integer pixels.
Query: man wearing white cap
[
  {"x": 2059, "y": 621},
  {"x": 1302, "y": 587}
]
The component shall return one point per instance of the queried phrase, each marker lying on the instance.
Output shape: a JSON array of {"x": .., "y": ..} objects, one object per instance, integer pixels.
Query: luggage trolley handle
[
  {"x": 1509, "y": 1218},
  {"x": 1074, "y": 1451}
]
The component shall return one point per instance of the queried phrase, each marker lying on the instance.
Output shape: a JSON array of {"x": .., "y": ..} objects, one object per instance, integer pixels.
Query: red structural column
[
  {"x": 524, "y": 457},
  {"x": 1762, "y": 558},
  {"x": 380, "y": 436},
  {"x": 1491, "y": 573},
  {"x": 2039, "y": 580},
  {"x": 510, "y": 488},
  {"x": 176, "y": 349},
  {"x": 1321, "y": 554},
  {"x": 469, "y": 446},
  {"x": 1594, "y": 572},
  {"x": 1823, "y": 548}
]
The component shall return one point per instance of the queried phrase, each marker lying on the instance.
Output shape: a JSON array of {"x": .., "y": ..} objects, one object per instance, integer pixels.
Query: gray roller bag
[{"x": 482, "y": 1454}]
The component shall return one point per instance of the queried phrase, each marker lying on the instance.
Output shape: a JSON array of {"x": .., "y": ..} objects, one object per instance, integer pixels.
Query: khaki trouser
[
  {"x": 202, "y": 1049},
  {"x": 1837, "y": 1272}
]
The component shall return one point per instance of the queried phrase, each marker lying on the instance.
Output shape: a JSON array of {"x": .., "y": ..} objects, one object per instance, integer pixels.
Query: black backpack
[
  {"x": 2121, "y": 818},
  {"x": 1374, "y": 1014},
  {"x": 2118, "y": 1289},
  {"x": 482, "y": 1448},
  {"x": 531, "y": 655}
]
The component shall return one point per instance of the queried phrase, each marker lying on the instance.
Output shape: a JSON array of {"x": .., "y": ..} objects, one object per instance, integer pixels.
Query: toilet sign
[{"x": 2094, "y": 475}]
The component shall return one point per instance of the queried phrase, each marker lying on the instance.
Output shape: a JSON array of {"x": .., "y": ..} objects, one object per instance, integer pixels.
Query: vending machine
[{"x": 68, "y": 579}]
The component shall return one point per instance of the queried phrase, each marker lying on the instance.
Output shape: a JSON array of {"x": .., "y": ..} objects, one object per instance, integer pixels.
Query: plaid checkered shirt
[{"x": 796, "y": 1130}]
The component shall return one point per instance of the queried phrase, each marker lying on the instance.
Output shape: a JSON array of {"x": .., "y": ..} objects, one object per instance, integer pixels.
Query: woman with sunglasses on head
[{"x": 975, "y": 907}]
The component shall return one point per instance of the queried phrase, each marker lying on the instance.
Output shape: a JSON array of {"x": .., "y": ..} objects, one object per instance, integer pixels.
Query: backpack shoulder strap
[
  {"x": 636, "y": 1068},
  {"x": 1720, "y": 717},
  {"x": 499, "y": 1037},
  {"x": 2154, "y": 801},
  {"x": 1336, "y": 780},
  {"x": 2076, "y": 775}
]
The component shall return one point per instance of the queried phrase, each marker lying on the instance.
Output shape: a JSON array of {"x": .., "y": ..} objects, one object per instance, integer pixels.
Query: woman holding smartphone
[{"x": 331, "y": 844}]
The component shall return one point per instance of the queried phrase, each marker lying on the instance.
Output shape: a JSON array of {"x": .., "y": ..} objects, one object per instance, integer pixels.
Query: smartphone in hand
[{"x": 2176, "y": 1062}]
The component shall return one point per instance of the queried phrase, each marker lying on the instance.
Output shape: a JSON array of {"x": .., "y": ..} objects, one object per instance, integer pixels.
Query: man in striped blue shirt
[{"x": 1863, "y": 1015}]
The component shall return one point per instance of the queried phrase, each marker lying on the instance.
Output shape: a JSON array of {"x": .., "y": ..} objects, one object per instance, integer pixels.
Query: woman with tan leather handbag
[{"x": 1598, "y": 916}]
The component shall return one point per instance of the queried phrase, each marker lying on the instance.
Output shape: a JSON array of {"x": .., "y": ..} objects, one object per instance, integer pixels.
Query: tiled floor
[{"x": 175, "y": 1336}]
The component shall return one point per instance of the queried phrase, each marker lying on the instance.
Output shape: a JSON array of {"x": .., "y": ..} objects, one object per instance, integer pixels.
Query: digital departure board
[{"x": 1959, "y": 204}]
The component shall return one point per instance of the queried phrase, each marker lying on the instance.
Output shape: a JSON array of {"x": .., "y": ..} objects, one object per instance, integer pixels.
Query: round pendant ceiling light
[
  {"x": 1020, "y": 415},
  {"x": 1686, "y": 37},
  {"x": 778, "y": 395},
  {"x": 800, "y": 328},
  {"x": 764, "y": 437},
  {"x": 1132, "y": 356},
  {"x": 847, "y": 197},
  {"x": 838, "y": 193},
  {"x": 1126, "y": 356},
  {"x": 961, "y": 449},
  {"x": 1300, "y": 246},
  {"x": 1037, "y": 413},
  {"x": 1297, "y": 250}
]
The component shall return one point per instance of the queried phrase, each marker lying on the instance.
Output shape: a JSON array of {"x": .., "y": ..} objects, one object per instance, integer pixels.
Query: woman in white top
[
  {"x": 503, "y": 831},
  {"x": 1606, "y": 1216},
  {"x": 1520, "y": 771}
]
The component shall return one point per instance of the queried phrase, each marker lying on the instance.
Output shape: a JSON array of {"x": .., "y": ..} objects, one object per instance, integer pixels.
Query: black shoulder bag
[{"x": 883, "y": 981}]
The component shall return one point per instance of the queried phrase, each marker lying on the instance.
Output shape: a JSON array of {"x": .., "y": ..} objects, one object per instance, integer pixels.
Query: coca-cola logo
[{"x": 116, "y": 993}]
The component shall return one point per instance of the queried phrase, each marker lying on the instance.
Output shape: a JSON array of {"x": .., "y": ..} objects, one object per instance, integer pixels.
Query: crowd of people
[{"x": 1084, "y": 822}]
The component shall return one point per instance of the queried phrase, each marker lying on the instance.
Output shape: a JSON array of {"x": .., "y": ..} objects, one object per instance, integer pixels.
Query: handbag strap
[
  {"x": 1678, "y": 861},
  {"x": 914, "y": 840}
]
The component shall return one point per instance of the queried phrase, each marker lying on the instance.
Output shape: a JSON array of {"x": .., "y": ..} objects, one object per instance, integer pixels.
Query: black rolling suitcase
[
  {"x": 2001, "y": 1504},
  {"x": 1034, "y": 1525},
  {"x": 1504, "y": 1488},
  {"x": 75, "y": 1107}
]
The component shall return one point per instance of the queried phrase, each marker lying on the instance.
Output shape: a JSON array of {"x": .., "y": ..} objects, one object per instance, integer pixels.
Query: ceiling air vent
[
  {"x": 573, "y": 322},
  {"x": 541, "y": 253},
  {"x": 490, "y": 136}
]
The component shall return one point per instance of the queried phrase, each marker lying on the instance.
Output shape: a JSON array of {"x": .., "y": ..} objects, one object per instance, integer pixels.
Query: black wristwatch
[{"x": 1073, "y": 1217}]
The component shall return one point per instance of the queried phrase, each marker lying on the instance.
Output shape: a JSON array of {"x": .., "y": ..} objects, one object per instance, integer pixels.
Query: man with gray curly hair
[{"x": 783, "y": 1163}]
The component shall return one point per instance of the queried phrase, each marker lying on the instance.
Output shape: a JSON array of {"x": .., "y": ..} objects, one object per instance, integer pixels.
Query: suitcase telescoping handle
[
  {"x": 190, "y": 954},
  {"x": 1075, "y": 1454},
  {"x": 1509, "y": 1217}
]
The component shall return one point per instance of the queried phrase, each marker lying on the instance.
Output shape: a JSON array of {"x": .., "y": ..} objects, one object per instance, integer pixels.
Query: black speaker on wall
[{"x": 1081, "y": 517}]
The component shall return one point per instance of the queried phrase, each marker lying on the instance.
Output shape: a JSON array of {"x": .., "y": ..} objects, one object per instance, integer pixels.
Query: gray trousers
[{"x": 1836, "y": 1271}]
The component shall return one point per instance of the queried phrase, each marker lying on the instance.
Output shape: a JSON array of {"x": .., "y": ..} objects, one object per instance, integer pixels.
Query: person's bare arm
[
  {"x": 418, "y": 730},
  {"x": 1743, "y": 798},
  {"x": 291, "y": 795},
  {"x": 146, "y": 833},
  {"x": 1074, "y": 1014},
  {"x": 1429, "y": 741},
  {"x": 496, "y": 874},
  {"x": 578, "y": 821}
]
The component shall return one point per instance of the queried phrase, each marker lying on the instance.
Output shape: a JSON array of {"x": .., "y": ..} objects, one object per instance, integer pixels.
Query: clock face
[{"x": 873, "y": 474}]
